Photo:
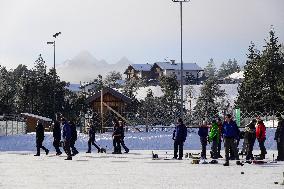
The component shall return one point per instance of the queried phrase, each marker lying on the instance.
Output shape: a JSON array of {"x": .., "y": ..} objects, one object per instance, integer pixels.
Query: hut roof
[
  {"x": 36, "y": 116},
  {"x": 111, "y": 91}
]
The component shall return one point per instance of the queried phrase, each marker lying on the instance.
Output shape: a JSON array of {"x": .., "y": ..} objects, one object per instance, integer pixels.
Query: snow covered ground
[
  {"x": 135, "y": 170},
  {"x": 20, "y": 169}
]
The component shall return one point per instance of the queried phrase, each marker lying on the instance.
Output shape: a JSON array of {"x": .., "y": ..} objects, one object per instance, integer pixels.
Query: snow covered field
[
  {"x": 20, "y": 169},
  {"x": 135, "y": 170}
]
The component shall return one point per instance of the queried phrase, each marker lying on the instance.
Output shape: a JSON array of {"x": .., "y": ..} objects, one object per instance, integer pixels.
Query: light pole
[
  {"x": 181, "y": 61},
  {"x": 54, "y": 79}
]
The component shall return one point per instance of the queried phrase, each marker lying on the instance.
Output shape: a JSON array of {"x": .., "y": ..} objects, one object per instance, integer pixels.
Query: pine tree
[
  {"x": 210, "y": 69},
  {"x": 210, "y": 98},
  {"x": 170, "y": 88},
  {"x": 264, "y": 76}
]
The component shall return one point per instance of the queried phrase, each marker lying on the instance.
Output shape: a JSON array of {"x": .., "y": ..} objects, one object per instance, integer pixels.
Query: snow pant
[
  {"x": 203, "y": 141},
  {"x": 116, "y": 145},
  {"x": 67, "y": 148},
  {"x": 178, "y": 147},
  {"x": 244, "y": 147},
  {"x": 123, "y": 145},
  {"x": 91, "y": 142},
  {"x": 39, "y": 146},
  {"x": 214, "y": 149},
  {"x": 73, "y": 148},
  {"x": 262, "y": 148},
  {"x": 249, "y": 149},
  {"x": 219, "y": 147},
  {"x": 230, "y": 146},
  {"x": 234, "y": 153},
  {"x": 56, "y": 144},
  {"x": 280, "y": 149}
]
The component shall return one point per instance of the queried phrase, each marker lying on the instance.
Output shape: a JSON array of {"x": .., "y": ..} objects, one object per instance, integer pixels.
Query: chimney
[{"x": 173, "y": 62}]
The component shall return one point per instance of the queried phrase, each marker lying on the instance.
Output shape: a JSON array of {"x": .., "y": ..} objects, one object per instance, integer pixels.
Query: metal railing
[{"x": 12, "y": 127}]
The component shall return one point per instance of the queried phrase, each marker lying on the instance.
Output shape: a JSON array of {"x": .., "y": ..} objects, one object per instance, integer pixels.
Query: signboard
[{"x": 238, "y": 117}]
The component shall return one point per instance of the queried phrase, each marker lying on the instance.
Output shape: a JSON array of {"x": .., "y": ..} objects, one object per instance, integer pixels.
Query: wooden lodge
[
  {"x": 31, "y": 121},
  {"x": 107, "y": 100}
]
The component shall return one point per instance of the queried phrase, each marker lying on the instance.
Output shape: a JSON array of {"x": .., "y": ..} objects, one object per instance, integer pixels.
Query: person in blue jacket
[
  {"x": 67, "y": 136},
  {"x": 231, "y": 134},
  {"x": 179, "y": 137},
  {"x": 203, "y": 134}
]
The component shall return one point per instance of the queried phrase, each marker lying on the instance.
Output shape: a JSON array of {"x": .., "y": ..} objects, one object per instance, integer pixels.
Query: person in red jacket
[{"x": 261, "y": 136}]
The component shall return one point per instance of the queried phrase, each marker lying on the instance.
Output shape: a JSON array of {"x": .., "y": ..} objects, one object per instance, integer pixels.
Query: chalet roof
[
  {"x": 176, "y": 66},
  {"x": 142, "y": 67},
  {"x": 111, "y": 91},
  {"x": 36, "y": 117}
]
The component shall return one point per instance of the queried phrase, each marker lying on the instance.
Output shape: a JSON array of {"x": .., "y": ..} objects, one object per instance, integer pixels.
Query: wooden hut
[
  {"x": 107, "y": 99},
  {"x": 31, "y": 121}
]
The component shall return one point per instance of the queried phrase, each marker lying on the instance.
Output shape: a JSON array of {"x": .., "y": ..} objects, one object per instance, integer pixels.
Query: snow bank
[{"x": 155, "y": 140}]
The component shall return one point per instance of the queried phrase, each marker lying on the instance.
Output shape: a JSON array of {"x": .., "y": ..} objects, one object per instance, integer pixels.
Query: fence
[
  {"x": 167, "y": 120},
  {"x": 12, "y": 127}
]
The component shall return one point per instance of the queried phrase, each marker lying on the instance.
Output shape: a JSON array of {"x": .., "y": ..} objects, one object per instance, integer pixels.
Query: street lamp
[
  {"x": 181, "y": 61},
  {"x": 54, "y": 79}
]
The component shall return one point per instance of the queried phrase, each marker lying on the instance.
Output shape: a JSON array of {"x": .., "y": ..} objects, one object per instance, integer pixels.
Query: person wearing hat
[
  {"x": 231, "y": 133},
  {"x": 40, "y": 139},
  {"x": 214, "y": 138},
  {"x": 179, "y": 137},
  {"x": 260, "y": 133},
  {"x": 122, "y": 136},
  {"x": 279, "y": 137},
  {"x": 116, "y": 136},
  {"x": 56, "y": 131},
  {"x": 92, "y": 139},
  {"x": 203, "y": 135},
  {"x": 250, "y": 137},
  {"x": 67, "y": 135}
]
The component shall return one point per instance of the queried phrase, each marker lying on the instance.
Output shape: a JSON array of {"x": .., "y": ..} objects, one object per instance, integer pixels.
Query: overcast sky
[{"x": 142, "y": 30}]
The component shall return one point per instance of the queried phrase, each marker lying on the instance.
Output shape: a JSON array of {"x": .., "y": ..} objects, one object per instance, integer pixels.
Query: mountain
[{"x": 85, "y": 67}]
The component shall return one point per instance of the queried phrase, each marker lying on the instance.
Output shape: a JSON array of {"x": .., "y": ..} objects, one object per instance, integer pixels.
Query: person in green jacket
[{"x": 214, "y": 136}]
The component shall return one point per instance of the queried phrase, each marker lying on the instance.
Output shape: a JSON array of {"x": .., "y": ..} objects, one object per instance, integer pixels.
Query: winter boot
[
  {"x": 226, "y": 163},
  {"x": 46, "y": 151},
  {"x": 68, "y": 158},
  {"x": 58, "y": 153},
  {"x": 89, "y": 151},
  {"x": 239, "y": 163},
  {"x": 37, "y": 155},
  {"x": 214, "y": 161}
]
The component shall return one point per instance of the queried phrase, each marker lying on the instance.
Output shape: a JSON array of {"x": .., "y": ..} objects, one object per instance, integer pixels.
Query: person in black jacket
[
  {"x": 116, "y": 136},
  {"x": 73, "y": 138},
  {"x": 39, "y": 139},
  {"x": 279, "y": 137},
  {"x": 57, "y": 137},
  {"x": 122, "y": 137},
  {"x": 179, "y": 137},
  {"x": 250, "y": 138},
  {"x": 92, "y": 139},
  {"x": 203, "y": 134}
]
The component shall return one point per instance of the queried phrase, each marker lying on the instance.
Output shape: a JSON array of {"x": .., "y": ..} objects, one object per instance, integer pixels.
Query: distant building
[
  {"x": 138, "y": 71},
  {"x": 191, "y": 71}
]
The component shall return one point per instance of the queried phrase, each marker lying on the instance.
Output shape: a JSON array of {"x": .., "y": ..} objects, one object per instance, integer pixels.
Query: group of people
[
  {"x": 69, "y": 135},
  {"x": 230, "y": 134},
  {"x": 117, "y": 136},
  {"x": 226, "y": 131}
]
